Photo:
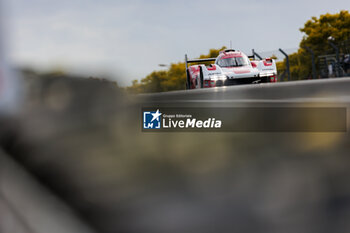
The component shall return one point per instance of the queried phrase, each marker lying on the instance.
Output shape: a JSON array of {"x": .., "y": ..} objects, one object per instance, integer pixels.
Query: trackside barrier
[
  {"x": 287, "y": 63},
  {"x": 312, "y": 61}
]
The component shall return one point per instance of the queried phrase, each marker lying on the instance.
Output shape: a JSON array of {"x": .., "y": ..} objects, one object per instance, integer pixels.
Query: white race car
[{"x": 231, "y": 67}]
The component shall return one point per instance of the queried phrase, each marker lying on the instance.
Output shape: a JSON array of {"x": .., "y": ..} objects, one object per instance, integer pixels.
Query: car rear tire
[
  {"x": 188, "y": 81},
  {"x": 201, "y": 77}
]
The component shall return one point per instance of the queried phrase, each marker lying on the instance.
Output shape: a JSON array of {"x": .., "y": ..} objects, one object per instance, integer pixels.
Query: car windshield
[{"x": 232, "y": 62}]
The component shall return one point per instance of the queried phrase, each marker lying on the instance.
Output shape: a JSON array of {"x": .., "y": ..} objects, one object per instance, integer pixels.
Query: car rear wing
[
  {"x": 197, "y": 60},
  {"x": 254, "y": 54}
]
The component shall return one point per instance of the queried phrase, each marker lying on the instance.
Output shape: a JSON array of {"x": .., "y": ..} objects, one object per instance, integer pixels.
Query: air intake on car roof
[{"x": 228, "y": 50}]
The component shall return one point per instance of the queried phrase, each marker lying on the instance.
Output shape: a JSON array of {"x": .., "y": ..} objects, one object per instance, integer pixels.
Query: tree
[{"x": 316, "y": 33}]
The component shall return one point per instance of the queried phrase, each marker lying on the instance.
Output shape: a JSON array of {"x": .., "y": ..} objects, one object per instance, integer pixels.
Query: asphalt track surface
[{"x": 321, "y": 90}]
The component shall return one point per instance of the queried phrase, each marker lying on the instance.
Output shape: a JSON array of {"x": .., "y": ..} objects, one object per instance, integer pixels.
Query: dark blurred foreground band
[{"x": 76, "y": 160}]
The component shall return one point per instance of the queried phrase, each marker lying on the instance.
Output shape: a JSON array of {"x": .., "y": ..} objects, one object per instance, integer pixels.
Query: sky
[{"x": 126, "y": 40}]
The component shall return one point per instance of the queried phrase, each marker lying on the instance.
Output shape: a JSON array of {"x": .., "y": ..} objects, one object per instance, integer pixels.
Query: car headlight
[
  {"x": 218, "y": 77},
  {"x": 267, "y": 74}
]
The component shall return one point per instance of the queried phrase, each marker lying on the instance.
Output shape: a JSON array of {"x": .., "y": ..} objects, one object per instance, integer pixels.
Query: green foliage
[
  {"x": 273, "y": 56},
  {"x": 172, "y": 79},
  {"x": 316, "y": 33}
]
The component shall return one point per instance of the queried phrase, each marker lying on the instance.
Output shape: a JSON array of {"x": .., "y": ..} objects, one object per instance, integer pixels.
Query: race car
[{"x": 231, "y": 67}]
